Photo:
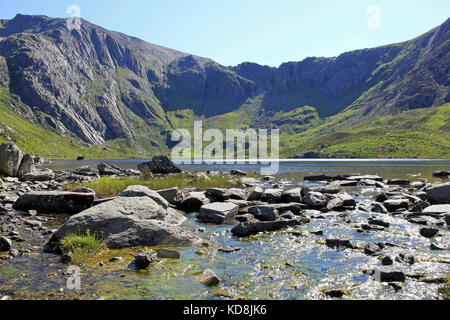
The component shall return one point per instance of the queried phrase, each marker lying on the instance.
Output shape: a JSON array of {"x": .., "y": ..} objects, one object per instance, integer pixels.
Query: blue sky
[{"x": 263, "y": 31}]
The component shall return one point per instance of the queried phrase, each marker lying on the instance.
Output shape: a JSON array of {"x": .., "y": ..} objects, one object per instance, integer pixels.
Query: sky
[{"x": 267, "y": 32}]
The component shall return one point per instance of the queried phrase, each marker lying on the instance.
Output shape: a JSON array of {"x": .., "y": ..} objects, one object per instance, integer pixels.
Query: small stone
[
  {"x": 143, "y": 259},
  {"x": 14, "y": 252},
  {"x": 428, "y": 232},
  {"x": 209, "y": 278}
]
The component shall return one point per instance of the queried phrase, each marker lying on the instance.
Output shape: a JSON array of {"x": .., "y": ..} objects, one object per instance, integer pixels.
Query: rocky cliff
[{"x": 99, "y": 86}]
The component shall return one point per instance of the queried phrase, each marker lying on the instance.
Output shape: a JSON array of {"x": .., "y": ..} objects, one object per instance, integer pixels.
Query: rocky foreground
[{"x": 140, "y": 217}]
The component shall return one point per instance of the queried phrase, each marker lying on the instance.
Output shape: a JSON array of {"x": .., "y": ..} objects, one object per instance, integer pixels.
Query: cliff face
[{"x": 101, "y": 85}]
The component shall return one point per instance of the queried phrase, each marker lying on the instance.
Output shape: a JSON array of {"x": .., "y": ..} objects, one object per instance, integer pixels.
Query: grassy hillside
[{"x": 419, "y": 133}]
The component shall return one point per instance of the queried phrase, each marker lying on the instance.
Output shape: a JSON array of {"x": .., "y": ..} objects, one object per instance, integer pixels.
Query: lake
[{"x": 297, "y": 169}]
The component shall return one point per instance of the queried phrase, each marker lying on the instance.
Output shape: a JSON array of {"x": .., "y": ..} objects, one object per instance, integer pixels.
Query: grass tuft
[{"x": 82, "y": 246}]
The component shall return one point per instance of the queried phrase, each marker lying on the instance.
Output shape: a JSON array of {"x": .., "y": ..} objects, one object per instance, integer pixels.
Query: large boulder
[
  {"x": 142, "y": 191},
  {"x": 13, "y": 162},
  {"x": 54, "y": 202},
  {"x": 128, "y": 222},
  {"x": 26, "y": 166},
  {"x": 159, "y": 165},
  {"x": 439, "y": 193},
  {"x": 218, "y": 212},
  {"x": 10, "y": 159}
]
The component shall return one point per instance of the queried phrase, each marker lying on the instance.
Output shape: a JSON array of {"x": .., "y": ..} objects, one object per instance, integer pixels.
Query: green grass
[
  {"x": 111, "y": 187},
  {"x": 82, "y": 247},
  {"x": 419, "y": 133}
]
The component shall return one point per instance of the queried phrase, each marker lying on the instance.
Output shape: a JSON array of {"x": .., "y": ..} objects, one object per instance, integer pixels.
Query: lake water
[{"x": 298, "y": 169}]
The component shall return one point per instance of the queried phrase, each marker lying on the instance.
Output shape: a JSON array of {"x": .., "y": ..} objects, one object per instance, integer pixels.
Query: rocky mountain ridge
[{"x": 101, "y": 86}]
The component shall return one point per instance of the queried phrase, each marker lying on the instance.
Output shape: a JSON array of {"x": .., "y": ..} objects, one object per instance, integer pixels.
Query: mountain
[{"x": 108, "y": 93}]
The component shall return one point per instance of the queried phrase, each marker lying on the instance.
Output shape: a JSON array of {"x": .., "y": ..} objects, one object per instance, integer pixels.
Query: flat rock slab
[
  {"x": 55, "y": 202},
  {"x": 218, "y": 212}
]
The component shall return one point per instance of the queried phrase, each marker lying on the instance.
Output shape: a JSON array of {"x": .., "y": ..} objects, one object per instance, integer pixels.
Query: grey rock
[
  {"x": 256, "y": 194},
  {"x": 226, "y": 194},
  {"x": 26, "y": 166},
  {"x": 5, "y": 244},
  {"x": 142, "y": 191},
  {"x": 128, "y": 222},
  {"x": 315, "y": 200},
  {"x": 108, "y": 170},
  {"x": 273, "y": 195},
  {"x": 172, "y": 195},
  {"x": 194, "y": 201},
  {"x": 143, "y": 259},
  {"x": 54, "y": 202},
  {"x": 159, "y": 165},
  {"x": 292, "y": 195},
  {"x": 10, "y": 159},
  {"x": 264, "y": 213},
  {"x": 393, "y": 205},
  {"x": 218, "y": 212},
  {"x": 379, "y": 208},
  {"x": 39, "y": 175},
  {"x": 437, "y": 209},
  {"x": 209, "y": 278},
  {"x": 386, "y": 260},
  {"x": 428, "y": 232},
  {"x": 442, "y": 174},
  {"x": 439, "y": 193},
  {"x": 86, "y": 171},
  {"x": 372, "y": 249}
]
